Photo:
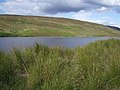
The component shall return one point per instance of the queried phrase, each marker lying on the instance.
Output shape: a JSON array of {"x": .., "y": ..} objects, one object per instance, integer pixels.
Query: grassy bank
[
  {"x": 11, "y": 25},
  {"x": 93, "y": 67}
]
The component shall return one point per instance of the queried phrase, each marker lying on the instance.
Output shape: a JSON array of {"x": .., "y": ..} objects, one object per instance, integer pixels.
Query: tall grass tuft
[{"x": 92, "y": 67}]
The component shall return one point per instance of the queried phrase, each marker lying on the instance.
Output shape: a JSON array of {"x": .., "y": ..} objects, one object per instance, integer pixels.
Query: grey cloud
[
  {"x": 68, "y": 6},
  {"x": 56, "y": 6}
]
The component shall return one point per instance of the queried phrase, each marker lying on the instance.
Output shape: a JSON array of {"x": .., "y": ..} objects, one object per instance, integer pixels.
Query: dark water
[{"x": 7, "y": 43}]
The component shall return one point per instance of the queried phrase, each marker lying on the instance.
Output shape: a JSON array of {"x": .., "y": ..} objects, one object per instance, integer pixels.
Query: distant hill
[
  {"x": 16, "y": 25},
  {"x": 114, "y": 27}
]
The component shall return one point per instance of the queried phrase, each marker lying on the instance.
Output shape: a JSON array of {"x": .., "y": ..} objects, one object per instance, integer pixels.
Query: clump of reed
[{"x": 92, "y": 67}]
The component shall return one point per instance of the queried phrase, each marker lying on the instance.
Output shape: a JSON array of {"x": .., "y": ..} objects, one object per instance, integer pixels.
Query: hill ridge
[{"x": 21, "y": 25}]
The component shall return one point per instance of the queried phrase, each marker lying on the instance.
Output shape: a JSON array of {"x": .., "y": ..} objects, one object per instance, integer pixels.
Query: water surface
[{"x": 7, "y": 43}]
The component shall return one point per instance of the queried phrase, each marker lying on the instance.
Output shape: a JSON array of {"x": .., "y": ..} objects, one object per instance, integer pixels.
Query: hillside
[{"x": 15, "y": 25}]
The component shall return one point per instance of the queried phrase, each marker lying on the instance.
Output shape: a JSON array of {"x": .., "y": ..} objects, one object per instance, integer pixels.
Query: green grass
[
  {"x": 92, "y": 67},
  {"x": 12, "y": 25}
]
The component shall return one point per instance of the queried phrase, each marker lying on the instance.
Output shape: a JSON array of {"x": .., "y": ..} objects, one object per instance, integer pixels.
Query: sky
[{"x": 105, "y": 12}]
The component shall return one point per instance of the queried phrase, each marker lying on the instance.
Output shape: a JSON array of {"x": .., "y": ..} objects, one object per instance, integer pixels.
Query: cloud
[
  {"x": 56, "y": 6},
  {"x": 83, "y": 15},
  {"x": 89, "y": 16},
  {"x": 106, "y": 3},
  {"x": 103, "y": 9}
]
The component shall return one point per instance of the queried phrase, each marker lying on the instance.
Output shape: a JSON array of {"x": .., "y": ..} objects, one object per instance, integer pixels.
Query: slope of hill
[{"x": 16, "y": 25}]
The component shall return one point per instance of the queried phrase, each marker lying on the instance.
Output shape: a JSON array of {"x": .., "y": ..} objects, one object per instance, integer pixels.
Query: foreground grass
[
  {"x": 93, "y": 67},
  {"x": 11, "y": 25}
]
